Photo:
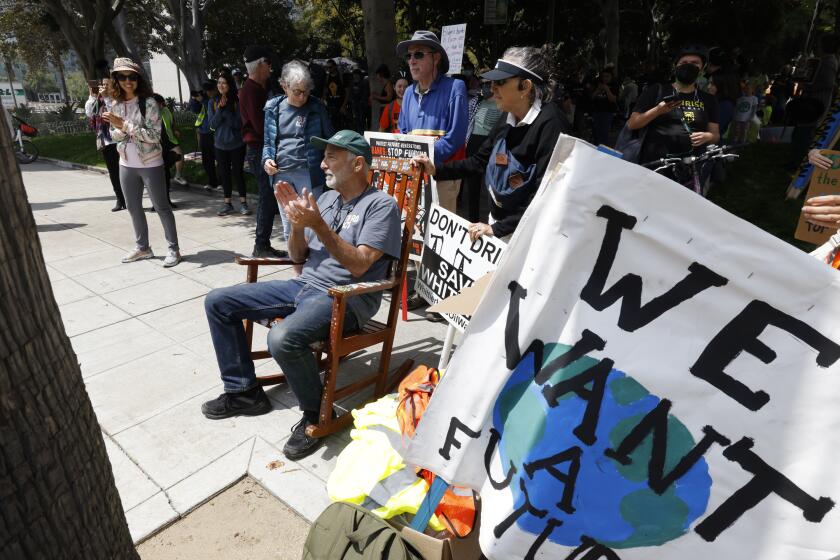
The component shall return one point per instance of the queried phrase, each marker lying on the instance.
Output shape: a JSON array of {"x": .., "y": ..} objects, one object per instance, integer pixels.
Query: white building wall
[{"x": 165, "y": 77}]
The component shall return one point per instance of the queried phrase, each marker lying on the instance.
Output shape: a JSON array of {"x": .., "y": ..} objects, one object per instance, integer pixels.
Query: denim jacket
[{"x": 317, "y": 124}]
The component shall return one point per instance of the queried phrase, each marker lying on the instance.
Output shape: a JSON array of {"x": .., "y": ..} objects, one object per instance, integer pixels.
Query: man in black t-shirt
[{"x": 686, "y": 123}]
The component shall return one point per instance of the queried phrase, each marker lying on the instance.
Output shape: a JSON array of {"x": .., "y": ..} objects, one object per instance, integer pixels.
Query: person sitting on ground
[
  {"x": 290, "y": 121},
  {"x": 515, "y": 154},
  {"x": 348, "y": 235},
  {"x": 230, "y": 149}
]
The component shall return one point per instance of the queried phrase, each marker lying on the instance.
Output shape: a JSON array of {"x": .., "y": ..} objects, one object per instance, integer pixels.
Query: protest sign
[
  {"x": 452, "y": 40},
  {"x": 451, "y": 262},
  {"x": 823, "y": 181},
  {"x": 398, "y": 149},
  {"x": 647, "y": 376}
]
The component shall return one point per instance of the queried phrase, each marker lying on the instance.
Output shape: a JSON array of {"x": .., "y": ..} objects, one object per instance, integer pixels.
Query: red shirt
[{"x": 252, "y": 99}]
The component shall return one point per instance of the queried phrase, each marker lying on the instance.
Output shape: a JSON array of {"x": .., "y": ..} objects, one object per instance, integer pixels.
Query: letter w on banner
[{"x": 647, "y": 377}]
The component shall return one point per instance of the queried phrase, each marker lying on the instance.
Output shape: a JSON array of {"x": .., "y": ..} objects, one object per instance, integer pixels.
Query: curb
[{"x": 252, "y": 198}]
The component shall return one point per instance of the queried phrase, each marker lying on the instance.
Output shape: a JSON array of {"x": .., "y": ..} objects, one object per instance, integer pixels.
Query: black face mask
[{"x": 687, "y": 73}]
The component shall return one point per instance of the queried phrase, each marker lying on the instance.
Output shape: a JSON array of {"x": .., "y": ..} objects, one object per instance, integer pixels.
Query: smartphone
[
  {"x": 93, "y": 84},
  {"x": 670, "y": 97}
]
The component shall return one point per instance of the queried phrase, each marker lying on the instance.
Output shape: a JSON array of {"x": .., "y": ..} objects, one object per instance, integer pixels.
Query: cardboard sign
[
  {"x": 644, "y": 378},
  {"x": 452, "y": 39},
  {"x": 823, "y": 181},
  {"x": 399, "y": 149},
  {"x": 451, "y": 262}
]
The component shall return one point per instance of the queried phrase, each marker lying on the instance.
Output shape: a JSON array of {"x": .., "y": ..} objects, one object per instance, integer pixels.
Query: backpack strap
[{"x": 142, "y": 103}]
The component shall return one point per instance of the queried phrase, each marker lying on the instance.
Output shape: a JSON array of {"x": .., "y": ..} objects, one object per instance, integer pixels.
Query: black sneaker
[
  {"x": 300, "y": 445},
  {"x": 414, "y": 301},
  {"x": 119, "y": 206},
  {"x": 434, "y": 317},
  {"x": 250, "y": 403},
  {"x": 268, "y": 253}
]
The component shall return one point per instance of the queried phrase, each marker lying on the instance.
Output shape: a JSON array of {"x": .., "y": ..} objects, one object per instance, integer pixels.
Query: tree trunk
[
  {"x": 122, "y": 42},
  {"x": 188, "y": 54},
  {"x": 57, "y": 493},
  {"x": 62, "y": 79},
  {"x": 10, "y": 73},
  {"x": 380, "y": 39},
  {"x": 611, "y": 31}
]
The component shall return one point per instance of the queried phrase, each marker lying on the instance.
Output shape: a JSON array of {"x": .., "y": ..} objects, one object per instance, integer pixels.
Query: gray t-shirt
[
  {"x": 370, "y": 219},
  {"x": 291, "y": 136}
]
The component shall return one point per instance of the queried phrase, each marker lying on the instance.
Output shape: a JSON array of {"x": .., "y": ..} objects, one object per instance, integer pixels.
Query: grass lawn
[
  {"x": 755, "y": 188},
  {"x": 81, "y": 148}
]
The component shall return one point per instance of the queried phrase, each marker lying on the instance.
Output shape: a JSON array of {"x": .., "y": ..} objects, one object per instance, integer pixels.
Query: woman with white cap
[
  {"x": 136, "y": 127},
  {"x": 515, "y": 155}
]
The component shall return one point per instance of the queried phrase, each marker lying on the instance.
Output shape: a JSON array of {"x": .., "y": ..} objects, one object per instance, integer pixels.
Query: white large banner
[{"x": 647, "y": 377}]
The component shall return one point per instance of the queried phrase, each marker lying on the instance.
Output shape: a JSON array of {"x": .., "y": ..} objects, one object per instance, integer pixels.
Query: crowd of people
[{"x": 298, "y": 132}]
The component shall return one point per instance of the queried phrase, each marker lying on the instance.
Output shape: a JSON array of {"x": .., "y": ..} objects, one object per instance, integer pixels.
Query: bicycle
[
  {"x": 25, "y": 150},
  {"x": 687, "y": 169}
]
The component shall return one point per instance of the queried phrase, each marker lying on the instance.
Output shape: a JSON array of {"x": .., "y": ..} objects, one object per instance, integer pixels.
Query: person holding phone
[
  {"x": 136, "y": 127},
  {"x": 98, "y": 104},
  {"x": 680, "y": 119}
]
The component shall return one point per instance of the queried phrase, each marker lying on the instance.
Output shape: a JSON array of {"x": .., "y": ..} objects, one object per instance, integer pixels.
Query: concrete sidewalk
[{"x": 142, "y": 339}]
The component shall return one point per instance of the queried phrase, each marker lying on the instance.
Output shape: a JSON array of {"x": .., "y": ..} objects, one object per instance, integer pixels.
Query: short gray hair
[
  {"x": 251, "y": 67},
  {"x": 296, "y": 72}
]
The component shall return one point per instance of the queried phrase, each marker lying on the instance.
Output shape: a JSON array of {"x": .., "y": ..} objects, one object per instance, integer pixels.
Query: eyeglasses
[
  {"x": 129, "y": 77},
  {"x": 299, "y": 92},
  {"x": 417, "y": 55}
]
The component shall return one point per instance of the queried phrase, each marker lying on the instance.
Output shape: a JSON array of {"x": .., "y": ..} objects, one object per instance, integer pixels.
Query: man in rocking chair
[{"x": 348, "y": 235}]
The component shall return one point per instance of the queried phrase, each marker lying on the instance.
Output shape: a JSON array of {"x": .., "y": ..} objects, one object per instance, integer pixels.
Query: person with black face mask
[{"x": 677, "y": 118}]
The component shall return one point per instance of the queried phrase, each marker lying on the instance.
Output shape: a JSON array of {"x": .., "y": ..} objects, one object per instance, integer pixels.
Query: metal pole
[{"x": 447, "y": 347}]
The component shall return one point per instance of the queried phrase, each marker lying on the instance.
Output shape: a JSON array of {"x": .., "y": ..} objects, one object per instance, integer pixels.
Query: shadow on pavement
[{"x": 57, "y": 227}]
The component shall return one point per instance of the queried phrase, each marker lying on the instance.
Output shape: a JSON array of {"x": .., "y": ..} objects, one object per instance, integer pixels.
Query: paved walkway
[{"x": 147, "y": 359}]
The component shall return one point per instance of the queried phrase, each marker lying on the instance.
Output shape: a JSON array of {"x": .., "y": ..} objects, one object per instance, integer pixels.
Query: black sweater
[{"x": 529, "y": 144}]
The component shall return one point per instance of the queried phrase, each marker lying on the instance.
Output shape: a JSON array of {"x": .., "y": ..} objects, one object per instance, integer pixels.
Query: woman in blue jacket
[
  {"x": 230, "y": 149},
  {"x": 290, "y": 121}
]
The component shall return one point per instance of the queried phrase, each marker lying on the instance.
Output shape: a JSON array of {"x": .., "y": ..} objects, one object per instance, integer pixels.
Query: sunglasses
[
  {"x": 417, "y": 55},
  {"x": 499, "y": 83},
  {"x": 129, "y": 77}
]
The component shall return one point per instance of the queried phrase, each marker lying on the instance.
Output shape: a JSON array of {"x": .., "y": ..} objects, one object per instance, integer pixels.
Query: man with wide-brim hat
[
  {"x": 444, "y": 105},
  {"x": 434, "y": 105}
]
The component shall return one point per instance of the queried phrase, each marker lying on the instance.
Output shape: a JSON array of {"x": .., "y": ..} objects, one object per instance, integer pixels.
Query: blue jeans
[
  {"x": 307, "y": 312},
  {"x": 266, "y": 204},
  {"x": 299, "y": 179}
]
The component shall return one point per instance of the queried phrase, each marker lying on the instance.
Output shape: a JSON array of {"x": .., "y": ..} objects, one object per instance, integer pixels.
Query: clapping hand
[
  {"x": 302, "y": 210},
  {"x": 223, "y": 100}
]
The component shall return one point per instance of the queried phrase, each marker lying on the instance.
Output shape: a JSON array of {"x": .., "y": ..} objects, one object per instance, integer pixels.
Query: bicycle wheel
[{"x": 28, "y": 154}]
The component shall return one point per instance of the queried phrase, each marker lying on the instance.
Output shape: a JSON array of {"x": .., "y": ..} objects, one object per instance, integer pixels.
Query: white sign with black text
[{"x": 451, "y": 262}]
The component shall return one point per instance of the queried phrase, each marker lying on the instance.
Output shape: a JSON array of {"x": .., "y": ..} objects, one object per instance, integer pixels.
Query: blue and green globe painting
[{"x": 613, "y": 503}]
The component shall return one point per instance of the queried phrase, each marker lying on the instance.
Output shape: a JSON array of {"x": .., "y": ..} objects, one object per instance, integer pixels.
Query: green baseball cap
[{"x": 348, "y": 140}]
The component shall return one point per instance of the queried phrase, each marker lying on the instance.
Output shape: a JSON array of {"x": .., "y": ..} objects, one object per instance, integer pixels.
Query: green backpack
[{"x": 349, "y": 532}]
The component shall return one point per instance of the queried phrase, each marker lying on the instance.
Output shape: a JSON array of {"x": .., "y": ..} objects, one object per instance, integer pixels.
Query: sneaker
[
  {"x": 244, "y": 210},
  {"x": 300, "y": 445},
  {"x": 253, "y": 402},
  {"x": 268, "y": 253},
  {"x": 119, "y": 206},
  {"x": 180, "y": 180},
  {"x": 435, "y": 317},
  {"x": 414, "y": 301},
  {"x": 225, "y": 210},
  {"x": 208, "y": 187},
  {"x": 138, "y": 255},
  {"x": 172, "y": 258}
]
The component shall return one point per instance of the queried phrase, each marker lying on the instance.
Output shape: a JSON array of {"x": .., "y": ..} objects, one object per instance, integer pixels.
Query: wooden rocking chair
[{"x": 398, "y": 179}]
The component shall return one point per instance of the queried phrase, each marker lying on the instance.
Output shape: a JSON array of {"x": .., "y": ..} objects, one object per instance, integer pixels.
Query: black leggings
[
  {"x": 208, "y": 160},
  {"x": 231, "y": 163},
  {"x": 112, "y": 162}
]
